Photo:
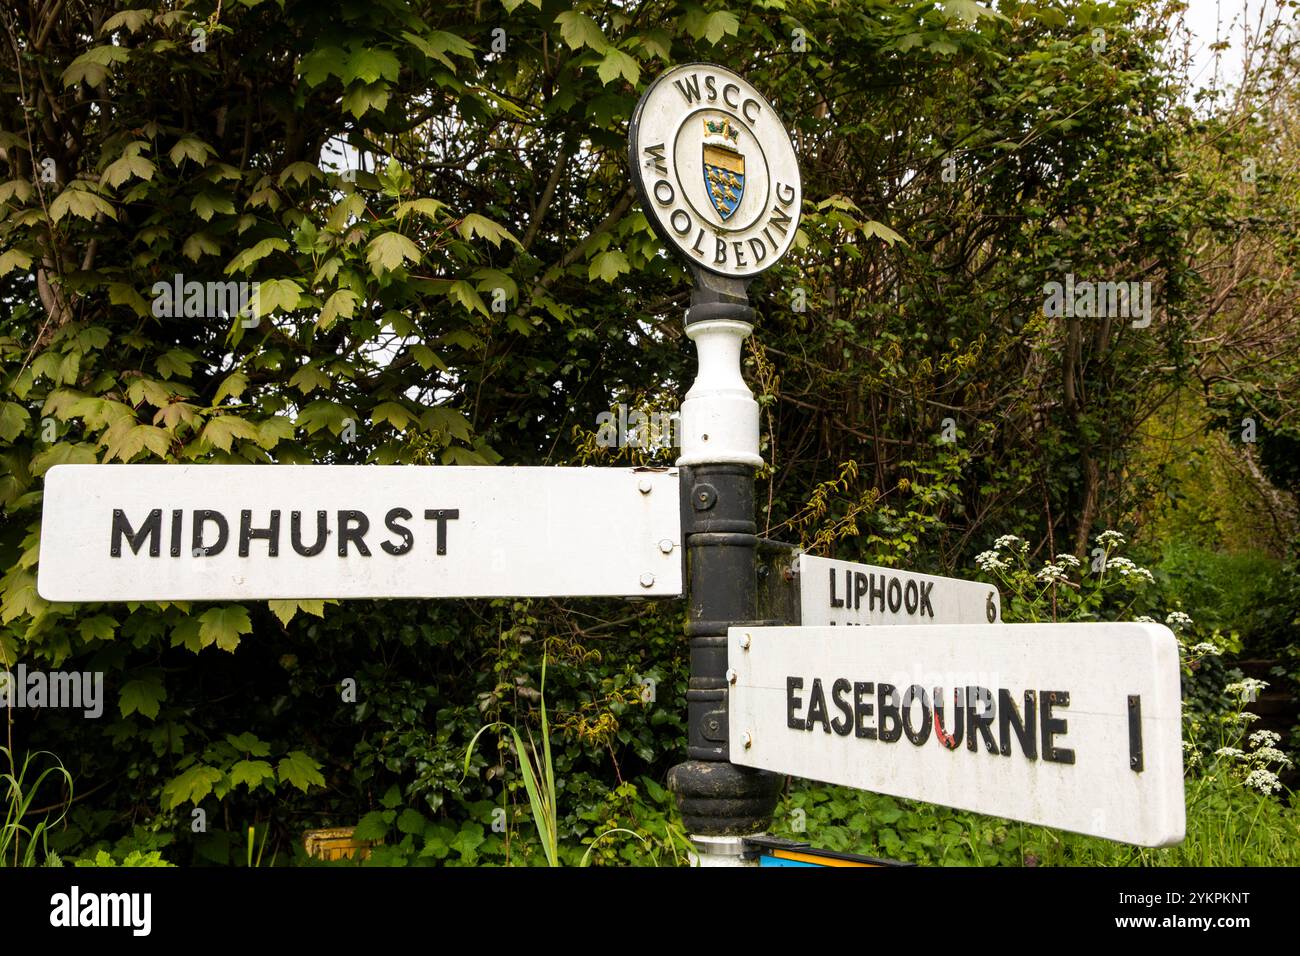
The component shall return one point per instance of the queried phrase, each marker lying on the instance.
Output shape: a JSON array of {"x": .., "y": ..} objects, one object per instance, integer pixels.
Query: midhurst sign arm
[{"x": 230, "y": 532}]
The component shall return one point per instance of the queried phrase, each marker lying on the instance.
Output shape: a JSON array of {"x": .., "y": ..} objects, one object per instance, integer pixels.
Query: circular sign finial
[{"x": 715, "y": 169}]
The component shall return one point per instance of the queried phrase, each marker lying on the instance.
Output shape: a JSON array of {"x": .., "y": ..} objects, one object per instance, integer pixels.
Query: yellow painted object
[
  {"x": 821, "y": 859},
  {"x": 335, "y": 843}
]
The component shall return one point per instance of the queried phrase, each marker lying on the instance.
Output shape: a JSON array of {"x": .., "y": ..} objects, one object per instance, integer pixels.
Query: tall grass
[{"x": 21, "y": 845}]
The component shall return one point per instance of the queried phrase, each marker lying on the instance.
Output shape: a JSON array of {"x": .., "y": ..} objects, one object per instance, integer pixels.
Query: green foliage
[
  {"x": 482, "y": 287},
  {"x": 23, "y": 843},
  {"x": 1227, "y": 825}
]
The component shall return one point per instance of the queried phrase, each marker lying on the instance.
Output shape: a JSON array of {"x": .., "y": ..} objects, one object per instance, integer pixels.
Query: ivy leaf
[
  {"x": 363, "y": 97},
  {"x": 192, "y": 785},
  {"x": 199, "y": 244},
  {"x": 92, "y": 66},
  {"x": 12, "y": 259},
  {"x": 123, "y": 169},
  {"x": 125, "y": 442},
  {"x": 232, "y": 386},
  {"x": 272, "y": 294},
  {"x": 881, "y": 231},
  {"x": 143, "y": 696},
  {"x": 251, "y": 773},
  {"x": 701, "y": 24},
  {"x": 474, "y": 224},
  {"x": 617, "y": 63},
  {"x": 191, "y": 148},
  {"x": 133, "y": 20},
  {"x": 388, "y": 250},
  {"x": 465, "y": 293},
  {"x": 13, "y": 419},
  {"x": 341, "y": 303},
  {"x": 221, "y": 431},
  {"x": 249, "y": 743},
  {"x": 285, "y": 610},
  {"x": 580, "y": 30},
  {"x": 372, "y": 826},
  {"x": 309, "y": 378},
  {"x": 300, "y": 771},
  {"x": 175, "y": 362},
  {"x": 608, "y": 266},
  {"x": 369, "y": 65},
  {"x": 223, "y": 626},
  {"x": 412, "y": 821},
  {"x": 393, "y": 413},
  {"x": 80, "y": 202}
]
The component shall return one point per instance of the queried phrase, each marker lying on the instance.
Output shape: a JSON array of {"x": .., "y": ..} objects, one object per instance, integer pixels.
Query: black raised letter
[
  {"x": 390, "y": 522},
  {"x": 271, "y": 533},
  {"x": 1009, "y": 717},
  {"x": 1051, "y": 726},
  {"x": 151, "y": 529},
  {"x": 295, "y": 534},
  {"x": 842, "y": 725},
  {"x": 356, "y": 535},
  {"x": 197, "y": 547},
  {"x": 863, "y": 709},
  {"x": 891, "y": 724},
  {"x": 793, "y": 703},
  {"x": 442, "y": 516}
]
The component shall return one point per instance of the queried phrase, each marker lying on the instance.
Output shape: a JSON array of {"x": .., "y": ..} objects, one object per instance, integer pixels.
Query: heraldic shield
[{"x": 724, "y": 166}]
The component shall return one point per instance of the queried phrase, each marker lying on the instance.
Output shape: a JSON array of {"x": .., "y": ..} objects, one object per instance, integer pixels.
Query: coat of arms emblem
[{"x": 724, "y": 166}]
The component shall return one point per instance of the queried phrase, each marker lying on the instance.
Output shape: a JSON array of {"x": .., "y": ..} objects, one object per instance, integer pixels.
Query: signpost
[
  {"x": 719, "y": 181},
  {"x": 1068, "y": 725},
  {"x": 1075, "y": 726},
  {"x": 845, "y": 593},
  {"x": 230, "y": 532}
]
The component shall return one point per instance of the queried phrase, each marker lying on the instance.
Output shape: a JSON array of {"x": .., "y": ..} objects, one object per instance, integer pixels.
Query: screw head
[
  {"x": 748, "y": 741},
  {"x": 647, "y": 580},
  {"x": 745, "y": 641},
  {"x": 644, "y": 486},
  {"x": 666, "y": 546},
  {"x": 732, "y": 676}
]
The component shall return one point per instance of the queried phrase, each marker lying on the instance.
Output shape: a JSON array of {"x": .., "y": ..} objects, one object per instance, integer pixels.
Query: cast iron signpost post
[{"x": 719, "y": 181}]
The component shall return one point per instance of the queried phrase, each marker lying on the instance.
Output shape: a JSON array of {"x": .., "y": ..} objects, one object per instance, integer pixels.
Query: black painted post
[
  {"x": 717, "y": 798},
  {"x": 718, "y": 180}
]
